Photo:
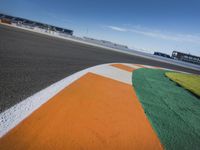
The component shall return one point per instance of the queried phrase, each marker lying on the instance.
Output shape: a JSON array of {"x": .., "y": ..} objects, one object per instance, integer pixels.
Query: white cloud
[
  {"x": 117, "y": 28},
  {"x": 159, "y": 34}
]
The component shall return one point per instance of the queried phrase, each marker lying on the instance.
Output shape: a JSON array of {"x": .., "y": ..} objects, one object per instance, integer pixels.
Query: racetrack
[{"x": 30, "y": 62}]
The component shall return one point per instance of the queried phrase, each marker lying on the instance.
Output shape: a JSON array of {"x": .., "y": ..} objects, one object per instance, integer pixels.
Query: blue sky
[{"x": 148, "y": 25}]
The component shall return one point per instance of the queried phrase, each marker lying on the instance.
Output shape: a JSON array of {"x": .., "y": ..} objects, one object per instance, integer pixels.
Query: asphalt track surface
[{"x": 29, "y": 62}]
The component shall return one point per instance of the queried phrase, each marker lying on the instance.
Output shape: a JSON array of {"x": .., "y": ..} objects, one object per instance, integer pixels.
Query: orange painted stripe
[
  {"x": 94, "y": 112},
  {"x": 123, "y": 67}
]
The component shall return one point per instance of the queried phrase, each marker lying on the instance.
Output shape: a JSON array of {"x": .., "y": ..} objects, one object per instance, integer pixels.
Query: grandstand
[
  {"x": 186, "y": 57},
  {"x": 162, "y": 54},
  {"x": 34, "y": 25}
]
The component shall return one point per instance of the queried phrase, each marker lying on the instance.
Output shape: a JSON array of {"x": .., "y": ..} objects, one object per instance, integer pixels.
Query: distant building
[
  {"x": 33, "y": 24},
  {"x": 186, "y": 57},
  {"x": 162, "y": 54}
]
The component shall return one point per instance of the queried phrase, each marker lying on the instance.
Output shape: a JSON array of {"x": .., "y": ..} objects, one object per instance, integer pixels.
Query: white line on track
[
  {"x": 132, "y": 66},
  {"x": 114, "y": 73}
]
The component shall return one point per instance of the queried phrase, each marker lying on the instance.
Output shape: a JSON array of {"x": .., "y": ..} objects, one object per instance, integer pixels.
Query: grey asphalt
[{"x": 31, "y": 61}]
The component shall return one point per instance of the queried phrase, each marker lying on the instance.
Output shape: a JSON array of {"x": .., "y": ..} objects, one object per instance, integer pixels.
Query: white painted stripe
[
  {"x": 131, "y": 65},
  {"x": 114, "y": 73},
  {"x": 151, "y": 67}
]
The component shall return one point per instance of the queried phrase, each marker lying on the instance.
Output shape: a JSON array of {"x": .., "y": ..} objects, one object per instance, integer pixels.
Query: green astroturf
[
  {"x": 173, "y": 112},
  {"x": 188, "y": 81}
]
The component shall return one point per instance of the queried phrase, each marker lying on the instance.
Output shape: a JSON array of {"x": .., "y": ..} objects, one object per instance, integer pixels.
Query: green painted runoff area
[
  {"x": 190, "y": 82},
  {"x": 173, "y": 112}
]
